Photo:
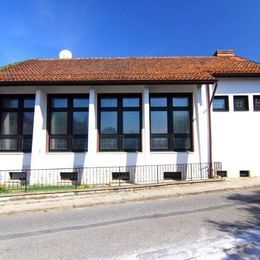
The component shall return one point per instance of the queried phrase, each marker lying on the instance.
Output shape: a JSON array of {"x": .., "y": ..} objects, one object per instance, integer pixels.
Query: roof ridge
[
  {"x": 2, "y": 68},
  {"x": 123, "y": 57},
  {"x": 246, "y": 59}
]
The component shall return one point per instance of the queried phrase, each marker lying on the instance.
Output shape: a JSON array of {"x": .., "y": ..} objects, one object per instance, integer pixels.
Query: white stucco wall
[
  {"x": 235, "y": 134},
  {"x": 40, "y": 158}
]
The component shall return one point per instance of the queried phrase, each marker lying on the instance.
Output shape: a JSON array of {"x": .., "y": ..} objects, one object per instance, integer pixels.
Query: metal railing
[{"x": 32, "y": 180}]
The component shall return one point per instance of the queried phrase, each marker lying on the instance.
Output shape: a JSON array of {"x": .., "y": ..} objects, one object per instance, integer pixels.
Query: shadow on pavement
[{"x": 247, "y": 233}]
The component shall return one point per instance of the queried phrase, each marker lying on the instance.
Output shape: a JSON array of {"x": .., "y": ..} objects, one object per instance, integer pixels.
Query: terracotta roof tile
[{"x": 184, "y": 68}]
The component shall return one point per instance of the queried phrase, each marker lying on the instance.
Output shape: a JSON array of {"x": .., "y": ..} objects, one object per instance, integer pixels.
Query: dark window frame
[
  {"x": 20, "y": 137},
  {"x": 247, "y": 103},
  {"x": 69, "y": 109},
  {"x": 254, "y": 97},
  {"x": 169, "y": 108},
  {"x": 226, "y": 100},
  {"x": 119, "y": 136}
]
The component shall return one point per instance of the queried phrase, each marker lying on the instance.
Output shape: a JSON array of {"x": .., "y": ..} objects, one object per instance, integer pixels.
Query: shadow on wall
[
  {"x": 79, "y": 164},
  {"x": 246, "y": 232},
  {"x": 197, "y": 121},
  {"x": 131, "y": 160},
  {"x": 26, "y": 163},
  {"x": 181, "y": 161}
]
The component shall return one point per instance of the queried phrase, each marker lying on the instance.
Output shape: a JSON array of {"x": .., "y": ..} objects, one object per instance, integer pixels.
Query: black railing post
[
  {"x": 157, "y": 173},
  {"x": 26, "y": 178},
  {"x": 119, "y": 177},
  {"x": 77, "y": 178}
]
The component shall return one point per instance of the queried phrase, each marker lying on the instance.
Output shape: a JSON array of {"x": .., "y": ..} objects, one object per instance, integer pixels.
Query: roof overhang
[{"x": 107, "y": 82}]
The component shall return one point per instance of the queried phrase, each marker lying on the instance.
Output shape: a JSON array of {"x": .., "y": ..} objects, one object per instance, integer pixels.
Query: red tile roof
[{"x": 127, "y": 70}]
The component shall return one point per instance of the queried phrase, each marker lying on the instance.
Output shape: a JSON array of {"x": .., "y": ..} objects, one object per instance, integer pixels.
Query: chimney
[{"x": 224, "y": 53}]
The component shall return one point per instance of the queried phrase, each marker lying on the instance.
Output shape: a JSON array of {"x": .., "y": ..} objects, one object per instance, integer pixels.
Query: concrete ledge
[{"x": 51, "y": 194}]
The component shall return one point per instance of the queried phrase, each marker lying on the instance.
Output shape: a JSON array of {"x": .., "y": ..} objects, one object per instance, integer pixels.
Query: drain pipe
[{"x": 210, "y": 100}]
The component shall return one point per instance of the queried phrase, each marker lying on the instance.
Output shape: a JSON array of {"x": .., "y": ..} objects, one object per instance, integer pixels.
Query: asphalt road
[{"x": 212, "y": 224}]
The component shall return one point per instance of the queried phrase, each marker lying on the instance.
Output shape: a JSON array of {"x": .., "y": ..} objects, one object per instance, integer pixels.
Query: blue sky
[{"x": 100, "y": 28}]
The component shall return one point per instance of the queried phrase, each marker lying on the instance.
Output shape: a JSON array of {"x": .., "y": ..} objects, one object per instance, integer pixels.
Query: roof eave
[
  {"x": 108, "y": 82},
  {"x": 236, "y": 75}
]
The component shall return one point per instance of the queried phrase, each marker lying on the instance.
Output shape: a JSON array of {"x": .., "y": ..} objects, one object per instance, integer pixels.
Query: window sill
[
  {"x": 172, "y": 152},
  {"x": 14, "y": 153},
  {"x": 119, "y": 152},
  {"x": 64, "y": 152}
]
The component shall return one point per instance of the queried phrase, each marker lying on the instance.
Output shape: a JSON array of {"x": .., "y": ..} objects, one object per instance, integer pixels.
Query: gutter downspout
[{"x": 210, "y": 100}]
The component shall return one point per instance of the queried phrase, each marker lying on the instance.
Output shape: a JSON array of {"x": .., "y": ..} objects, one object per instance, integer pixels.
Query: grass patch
[{"x": 39, "y": 188}]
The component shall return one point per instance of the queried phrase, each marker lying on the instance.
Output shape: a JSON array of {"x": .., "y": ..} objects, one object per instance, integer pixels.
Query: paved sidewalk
[{"x": 54, "y": 201}]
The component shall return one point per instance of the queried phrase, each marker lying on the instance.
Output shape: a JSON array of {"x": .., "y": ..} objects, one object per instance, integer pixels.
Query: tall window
[
  {"x": 16, "y": 122},
  {"x": 68, "y": 122},
  {"x": 170, "y": 116},
  {"x": 119, "y": 122}
]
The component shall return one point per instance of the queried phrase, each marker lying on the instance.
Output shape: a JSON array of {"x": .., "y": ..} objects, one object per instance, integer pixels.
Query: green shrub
[{"x": 2, "y": 188}]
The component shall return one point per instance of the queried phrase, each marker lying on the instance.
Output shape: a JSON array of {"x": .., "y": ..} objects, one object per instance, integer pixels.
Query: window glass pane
[
  {"x": 131, "y": 143},
  {"x": 180, "y": 101},
  {"x": 80, "y": 122},
  {"x": 59, "y": 102},
  {"x": 108, "y": 123},
  {"x": 27, "y": 144},
  {"x": 257, "y": 103},
  {"x": 9, "y": 122},
  {"x": 27, "y": 123},
  {"x": 219, "y": 103},
  {"x": 158, "y": 101},
  {"x": 58, "y": 144},
  {"x": 131, "y": 102},
  {"x": 28, "y": 103},
  {"x": 108, "y": 143},
  {"x": 159, "y": 143},
  {"x": 131, "y": 122},
  {"x": 181, "y": 122},
  {"x": 159, "y": 122},
  {"x": 182, "y": 143},
  {"x": 9, "y": 102},
  {"x": 59, "y": 123},
  {"x": 80, "y": 144},
  {"x": 80, "y": 102},
  {"x": 108, "y": 102},
  {"x": 240, "y": 103},
  {"x": 8, "y": 144}
]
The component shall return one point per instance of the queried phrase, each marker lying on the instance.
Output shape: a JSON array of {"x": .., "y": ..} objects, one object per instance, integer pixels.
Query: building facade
[{"x": 91, "y": 113}]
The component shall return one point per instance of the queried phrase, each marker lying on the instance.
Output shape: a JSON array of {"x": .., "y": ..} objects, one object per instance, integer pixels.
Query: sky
[{"x": 109, "y": 28}]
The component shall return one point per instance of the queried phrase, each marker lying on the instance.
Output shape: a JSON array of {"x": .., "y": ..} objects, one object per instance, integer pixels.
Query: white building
[{"x": 106, "y": 112}]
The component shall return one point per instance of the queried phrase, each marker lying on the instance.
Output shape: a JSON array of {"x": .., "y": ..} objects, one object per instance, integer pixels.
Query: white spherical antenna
[{"x": 65, "y": 54}]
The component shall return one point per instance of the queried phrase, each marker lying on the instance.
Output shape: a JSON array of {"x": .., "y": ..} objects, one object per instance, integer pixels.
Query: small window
[
  {"x": 220, "y": 103},
  {"x": 172, "y": 175},
  {"x": 18, "y": 175},
  {"x": 241, "y": 103},
  {"x": 125, "y": 176},
  {"x": 256, "y": 103},
  {"x": 244, "y": 173},
  {"x": 69, "y": 176},
  {"x": 222, "y": 173}
]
